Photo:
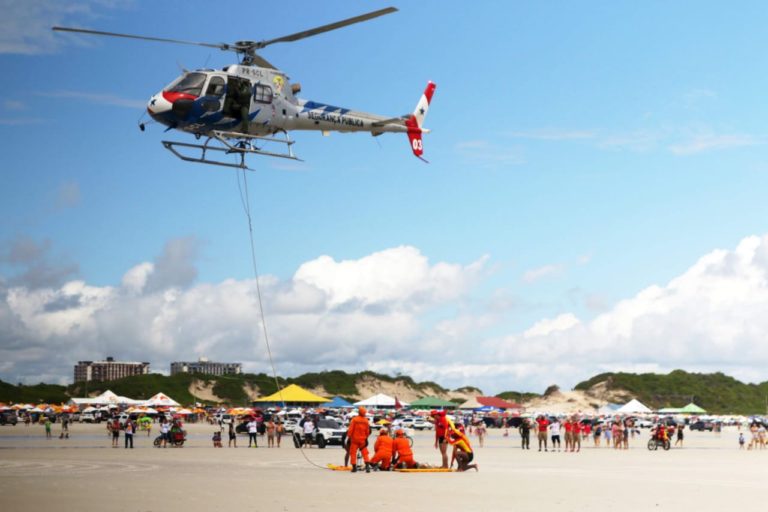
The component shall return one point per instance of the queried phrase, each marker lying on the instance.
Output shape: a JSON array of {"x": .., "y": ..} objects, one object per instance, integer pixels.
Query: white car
[
  {"x": 327, "y": 431},
  {"x": 422, "y": 424}
]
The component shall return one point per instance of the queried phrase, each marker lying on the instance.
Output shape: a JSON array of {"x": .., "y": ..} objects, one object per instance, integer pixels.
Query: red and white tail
[{"x": 416, "y": 120}]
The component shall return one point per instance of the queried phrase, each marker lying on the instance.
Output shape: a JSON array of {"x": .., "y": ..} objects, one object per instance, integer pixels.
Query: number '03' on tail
[{"x": 416, "y": 120}]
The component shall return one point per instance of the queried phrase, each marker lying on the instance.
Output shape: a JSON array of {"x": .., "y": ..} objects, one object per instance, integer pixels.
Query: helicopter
[{"x": 241, "y": 108}]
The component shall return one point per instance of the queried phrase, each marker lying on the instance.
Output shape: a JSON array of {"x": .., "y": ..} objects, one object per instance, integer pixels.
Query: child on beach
[
  {"x": 217, "y": 439},
  {"x": 741, "y": 440}
]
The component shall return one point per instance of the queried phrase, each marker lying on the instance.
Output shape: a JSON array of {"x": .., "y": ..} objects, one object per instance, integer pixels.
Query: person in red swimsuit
[
  {"x": 543, "y": 424},
  {"x": 441, "y": 433}
]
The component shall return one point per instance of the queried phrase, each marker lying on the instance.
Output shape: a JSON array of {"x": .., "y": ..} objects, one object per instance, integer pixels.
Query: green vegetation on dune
[
  {"x": 469, "y": 389},
  {"x": 37, "y": 393},
  {"x": 141, "y": 387},
  {"x": 517, "y": 396},
  {"x": 716, "y": 392}
]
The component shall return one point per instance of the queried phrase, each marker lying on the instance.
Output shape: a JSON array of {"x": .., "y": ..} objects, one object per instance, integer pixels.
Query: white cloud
[
  {"x": 548, "y": 326},
  {"x": 490, "y": 155},
  {"x": 711, "y": 142},
  {"x": 330, "y": 314},
  {"x": 551, "y": 134},
  {"x": 391, "y": 311},
  {"x": 25, "y": 26},
  {"x": 539, "y": 273},
  {"x": 97, "y": 98}
]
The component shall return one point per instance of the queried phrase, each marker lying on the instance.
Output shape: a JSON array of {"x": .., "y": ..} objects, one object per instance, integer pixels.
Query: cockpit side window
[
  {"x": 262, "y": 93},
  {"x": 215, "y": 87},
  {"x": 191, "y": 83}
]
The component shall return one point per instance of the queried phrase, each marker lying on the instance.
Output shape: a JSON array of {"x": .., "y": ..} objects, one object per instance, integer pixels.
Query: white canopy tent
[
  {"x": 634, "y": 406},
  {"x": 106, "y": 398},
  {"x": 161, "y": 400},
  {"x": 380, "y": 400},
  {"x": 472, "y": 403}
]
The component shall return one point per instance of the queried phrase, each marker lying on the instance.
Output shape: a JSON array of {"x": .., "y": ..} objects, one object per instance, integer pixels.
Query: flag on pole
[{"x": 398, "y": 405}]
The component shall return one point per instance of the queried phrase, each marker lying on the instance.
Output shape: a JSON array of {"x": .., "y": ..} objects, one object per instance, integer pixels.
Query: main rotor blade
[
  {"x": 220, "y": 46},
  {"x": 327, "y": 28}
]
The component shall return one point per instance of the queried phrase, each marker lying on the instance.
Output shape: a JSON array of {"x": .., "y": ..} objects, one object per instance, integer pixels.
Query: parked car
[
  {"x": 643, "y": 423},
  {"x": 327, "y": 431},
  {"x": 702, "y": 426},
  {"x": 8, "y": 418},
  {"x": 90, "y": 417},
  {"x": 422, "y": 424},
  {"x": 224, "y": 419}
]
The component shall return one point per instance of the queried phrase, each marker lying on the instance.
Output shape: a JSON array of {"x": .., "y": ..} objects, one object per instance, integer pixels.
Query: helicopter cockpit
[{"x": 202, "y": 93}]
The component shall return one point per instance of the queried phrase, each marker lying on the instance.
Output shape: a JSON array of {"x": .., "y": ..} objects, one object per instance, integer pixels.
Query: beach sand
[{"x": 84, "y": 473}]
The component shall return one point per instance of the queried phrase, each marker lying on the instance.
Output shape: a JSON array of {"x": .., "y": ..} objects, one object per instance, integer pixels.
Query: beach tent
[
  {"x": 692, "y": 408},
  {"x": 472, "y": 403},
  {"x": 106, "y": 398},
  {"x": 608, "y": 409},
  {"x": 294, "y": 395},
  {"x": 380, "y": 400},
  {"x": 497, "y": 403},
  {"x": 432, "y": 402},
  {"x": 634, "y": 406},
  {"x": 337, "y": 403},
  {"x": 161, "y": 400}
]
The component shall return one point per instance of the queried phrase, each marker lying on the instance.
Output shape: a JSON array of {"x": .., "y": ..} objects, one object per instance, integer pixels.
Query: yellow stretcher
[
  {"x": 426, "y": 470},
  {"x": 334, "y": 467}
]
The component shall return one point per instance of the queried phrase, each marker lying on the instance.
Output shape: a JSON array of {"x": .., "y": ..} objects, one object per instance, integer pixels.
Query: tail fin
[{"x": 416, "y": 120}]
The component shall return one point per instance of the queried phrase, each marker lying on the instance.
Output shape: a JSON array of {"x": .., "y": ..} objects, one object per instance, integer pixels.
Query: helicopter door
[
  {"x": 214, "y": 93},
  {"x": 238, "y": 100}
]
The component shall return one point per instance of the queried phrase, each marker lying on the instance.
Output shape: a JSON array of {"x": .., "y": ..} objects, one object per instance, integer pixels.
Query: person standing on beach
[
  {"x": 357, "y": 433},
  {"x": 576, "y": 435},
  {"x": 270, "y": 433},
  {"x": 542, "y": 424},
  {"x": 480, "y": 431},
  {"x": 165, "y": 432},
  {"x": 680, "y": 428},
  {"x": 130, "y": 428},
  {"x": 525, "y": 434},
  {"x": 441, "y": 432},
  {"x": 47, "y": 427},
  {"x": 114, "y": 427},
  {"x": 253, "y": 430},
  {"x": 554, "y": 432},
  {"x": 279, "y": 430},
  {"x": 64, "y": 427},
  {"x": 232, "y": 435}
]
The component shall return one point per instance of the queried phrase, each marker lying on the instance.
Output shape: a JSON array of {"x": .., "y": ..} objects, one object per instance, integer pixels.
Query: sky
[{"x": 594, "y": 199}]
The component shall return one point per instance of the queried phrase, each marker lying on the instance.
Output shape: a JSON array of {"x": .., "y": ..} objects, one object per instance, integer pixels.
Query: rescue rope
[{"x": 246, "y": 202}]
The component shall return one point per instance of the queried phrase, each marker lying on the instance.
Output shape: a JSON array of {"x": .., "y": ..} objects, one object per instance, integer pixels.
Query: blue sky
[{"x": 580, "y": 156}]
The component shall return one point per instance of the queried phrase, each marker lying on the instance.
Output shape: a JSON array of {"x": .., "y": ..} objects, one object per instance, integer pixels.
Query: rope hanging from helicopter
[{"x": 246, "y": 203}]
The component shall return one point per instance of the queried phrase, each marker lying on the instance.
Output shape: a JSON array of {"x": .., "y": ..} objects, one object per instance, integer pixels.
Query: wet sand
[{"x": 84, "y": 473}]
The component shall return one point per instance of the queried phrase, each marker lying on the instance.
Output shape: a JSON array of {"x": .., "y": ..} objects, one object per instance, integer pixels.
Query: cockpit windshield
[{"x": 191, "y": 83}]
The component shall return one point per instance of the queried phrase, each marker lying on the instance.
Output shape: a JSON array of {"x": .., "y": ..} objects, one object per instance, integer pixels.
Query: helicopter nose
[{"x": 158, "y": 106}]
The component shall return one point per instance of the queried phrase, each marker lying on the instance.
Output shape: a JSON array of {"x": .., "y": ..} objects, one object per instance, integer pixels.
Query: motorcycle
[{"x": 659, "y": 438}]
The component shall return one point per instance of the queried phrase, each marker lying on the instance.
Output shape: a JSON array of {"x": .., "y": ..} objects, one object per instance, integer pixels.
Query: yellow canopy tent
[{"x": 294, "y": 395}]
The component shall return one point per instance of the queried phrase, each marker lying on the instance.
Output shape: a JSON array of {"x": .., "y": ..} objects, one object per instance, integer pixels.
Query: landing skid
[{"x": 229, "y": 143}]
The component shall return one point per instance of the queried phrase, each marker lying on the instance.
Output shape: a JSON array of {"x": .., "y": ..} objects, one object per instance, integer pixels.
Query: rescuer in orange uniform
[
  {"x": 383, "y": 450},
  {"x": 403, "y": 450},
  {"x": 358, "y": 433}
]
